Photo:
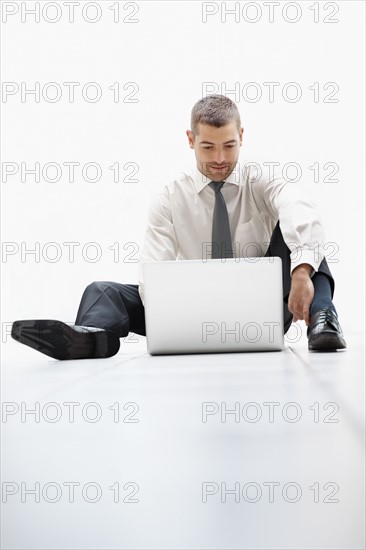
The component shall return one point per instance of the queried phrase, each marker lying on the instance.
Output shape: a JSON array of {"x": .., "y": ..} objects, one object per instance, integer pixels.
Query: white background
[{"x": 170, "y": 53}]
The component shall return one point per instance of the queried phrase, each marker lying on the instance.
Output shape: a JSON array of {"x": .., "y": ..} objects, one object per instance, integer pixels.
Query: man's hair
[{"x": 214, "y": 110}]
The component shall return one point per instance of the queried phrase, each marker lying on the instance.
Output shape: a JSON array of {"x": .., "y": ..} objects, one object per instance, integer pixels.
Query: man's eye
[
  {"x": 230, "y": 146},
  {"x": 207, "y": 147}
]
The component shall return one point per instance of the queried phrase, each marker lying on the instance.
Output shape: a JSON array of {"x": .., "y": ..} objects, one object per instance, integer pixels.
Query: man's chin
[{"x": 218, "y": 175}]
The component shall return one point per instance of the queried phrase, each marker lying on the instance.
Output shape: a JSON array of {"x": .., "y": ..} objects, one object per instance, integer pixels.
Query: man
[{"x": 221, "y": 207}]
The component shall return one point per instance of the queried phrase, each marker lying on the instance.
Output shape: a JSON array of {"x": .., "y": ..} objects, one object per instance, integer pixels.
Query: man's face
[{"x": 216, "y": 149}]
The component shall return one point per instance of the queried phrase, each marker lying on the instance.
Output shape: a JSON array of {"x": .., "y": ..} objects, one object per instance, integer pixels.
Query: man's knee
[{"x": 96, "y": 286}]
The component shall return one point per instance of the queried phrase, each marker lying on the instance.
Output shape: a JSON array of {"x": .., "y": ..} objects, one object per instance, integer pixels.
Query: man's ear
[
  {"x": 241, "y": 136},
  {"x": 190, "y": 138}
]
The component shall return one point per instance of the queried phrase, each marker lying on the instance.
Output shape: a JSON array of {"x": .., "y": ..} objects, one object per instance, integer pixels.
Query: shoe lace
[
  {"x": 323, "y": 315},
  {"x": 327, "y": 315}
]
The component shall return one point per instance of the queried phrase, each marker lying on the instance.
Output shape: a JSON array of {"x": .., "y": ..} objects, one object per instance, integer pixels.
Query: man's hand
[{"x": 301, "y": 294}]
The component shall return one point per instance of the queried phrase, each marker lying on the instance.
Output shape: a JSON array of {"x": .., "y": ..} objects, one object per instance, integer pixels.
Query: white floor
[{"x": 186, "y": 474}]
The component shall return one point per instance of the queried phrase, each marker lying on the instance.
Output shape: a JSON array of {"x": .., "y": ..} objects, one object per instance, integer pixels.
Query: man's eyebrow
[{"x": 210, "y": 143}]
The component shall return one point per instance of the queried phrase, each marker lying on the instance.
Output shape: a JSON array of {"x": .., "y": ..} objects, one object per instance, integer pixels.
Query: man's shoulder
[
  {"x": 177, "y": 181},
  {"x": 181, "y": 178},
  {"x": 260, "y": 173}
]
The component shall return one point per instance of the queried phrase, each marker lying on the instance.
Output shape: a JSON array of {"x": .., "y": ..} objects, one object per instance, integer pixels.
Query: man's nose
[{"x": 219, "y": 157}]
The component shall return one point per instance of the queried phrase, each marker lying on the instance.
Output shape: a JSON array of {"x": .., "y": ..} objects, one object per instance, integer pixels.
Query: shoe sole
[
  {"x": 60, "y": 341},
  {"x": 327, "y": 342}
]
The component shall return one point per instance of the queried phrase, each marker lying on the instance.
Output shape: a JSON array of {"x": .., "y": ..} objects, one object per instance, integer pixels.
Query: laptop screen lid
[{"x": 215, "y": 305}]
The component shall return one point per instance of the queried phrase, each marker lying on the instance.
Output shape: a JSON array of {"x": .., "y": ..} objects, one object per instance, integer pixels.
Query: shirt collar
[{"x": 200, "y": 180}]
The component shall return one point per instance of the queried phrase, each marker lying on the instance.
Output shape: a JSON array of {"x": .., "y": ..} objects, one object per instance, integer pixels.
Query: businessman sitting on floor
[{"x": 237, "y": 214}]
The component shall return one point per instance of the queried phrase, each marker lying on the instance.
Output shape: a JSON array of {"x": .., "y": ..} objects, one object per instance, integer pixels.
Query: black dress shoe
[
  {"x": 324, "y": 331},
  {"x": 62, "y": 341}
]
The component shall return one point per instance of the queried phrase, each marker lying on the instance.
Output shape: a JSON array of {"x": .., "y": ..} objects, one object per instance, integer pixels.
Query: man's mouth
[{"x": 218, "y": 167}]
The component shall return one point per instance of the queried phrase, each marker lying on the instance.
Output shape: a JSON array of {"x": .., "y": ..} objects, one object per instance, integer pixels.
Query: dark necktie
[{"x": 221, "y": 239}]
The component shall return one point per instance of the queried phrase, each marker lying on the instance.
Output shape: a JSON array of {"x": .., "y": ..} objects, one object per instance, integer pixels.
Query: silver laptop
[{"x": 210, "y": 306}]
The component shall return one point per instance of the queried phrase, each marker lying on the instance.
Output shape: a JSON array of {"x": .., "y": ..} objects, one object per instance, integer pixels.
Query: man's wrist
[{"x": 301, "y": 270}]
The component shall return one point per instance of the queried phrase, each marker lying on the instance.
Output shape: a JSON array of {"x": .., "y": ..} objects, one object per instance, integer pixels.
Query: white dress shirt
[{"x": 179, "y": 225}]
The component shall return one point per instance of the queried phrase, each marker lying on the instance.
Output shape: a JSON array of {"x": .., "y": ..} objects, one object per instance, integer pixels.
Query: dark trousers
[{"x": 118, "y": 307}]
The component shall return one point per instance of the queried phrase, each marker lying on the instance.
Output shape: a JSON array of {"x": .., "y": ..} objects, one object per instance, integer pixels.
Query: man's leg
[
  {"x": 112, "y": 306},
  {"x": 107, "y": 311},
  {"x": 324, "y": 331}
]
